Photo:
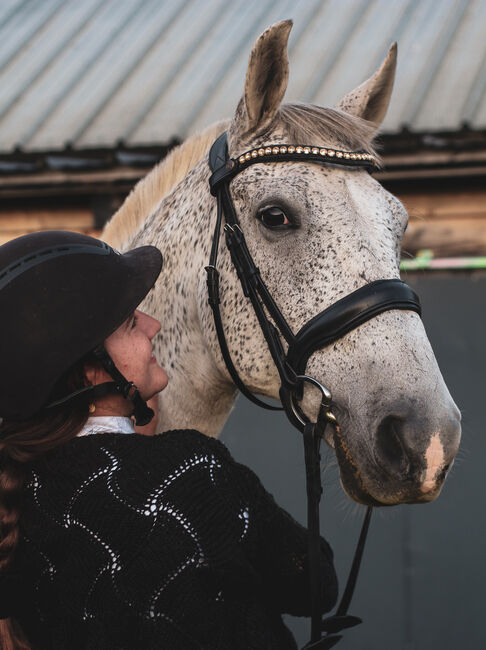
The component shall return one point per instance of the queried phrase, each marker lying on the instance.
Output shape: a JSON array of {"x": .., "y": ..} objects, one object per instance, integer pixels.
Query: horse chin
[
  {"x": 358, "y": 494},
  {"x": 378, "y": 491}
]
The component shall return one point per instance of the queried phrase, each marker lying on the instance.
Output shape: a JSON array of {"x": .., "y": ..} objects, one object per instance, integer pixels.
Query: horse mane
[
  {"x": 151, "y": 189},
  {"x": 302, "y": 122}
]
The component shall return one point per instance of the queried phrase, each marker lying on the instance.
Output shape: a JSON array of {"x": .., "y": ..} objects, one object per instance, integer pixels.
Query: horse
[{"x": 317, "y": 233}]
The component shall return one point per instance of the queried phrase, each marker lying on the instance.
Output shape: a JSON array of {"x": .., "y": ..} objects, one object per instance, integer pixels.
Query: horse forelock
[{"x": 311, "y": 124}]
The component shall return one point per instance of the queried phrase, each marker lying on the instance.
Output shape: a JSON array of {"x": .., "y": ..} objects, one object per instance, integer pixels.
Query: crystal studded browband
[
  {"x": 283, "y": 149},
  {"x": 226, "y": 168}
]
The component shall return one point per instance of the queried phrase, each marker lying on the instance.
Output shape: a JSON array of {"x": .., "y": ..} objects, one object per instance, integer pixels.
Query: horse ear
[
  {"x": 370, "y": 100},
  {"x": 266, "y": 79}
]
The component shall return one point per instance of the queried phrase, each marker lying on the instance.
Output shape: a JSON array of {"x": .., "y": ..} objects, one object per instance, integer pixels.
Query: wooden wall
[
  {"x": 16, "y": 222},
  {"x": 449, "y": 221}
]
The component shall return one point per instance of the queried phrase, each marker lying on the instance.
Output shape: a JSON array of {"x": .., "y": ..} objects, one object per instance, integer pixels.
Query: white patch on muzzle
[{"x": 434, "y": 457}]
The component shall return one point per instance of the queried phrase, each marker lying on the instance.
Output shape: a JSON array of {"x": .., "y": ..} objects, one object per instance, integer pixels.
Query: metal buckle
[
  {"x": 232, "y": 228},
  {"x": 326, "y": 401}
]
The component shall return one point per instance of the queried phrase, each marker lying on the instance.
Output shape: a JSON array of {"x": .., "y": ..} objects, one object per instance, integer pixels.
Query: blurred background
[{"x": 93, "y": 93}]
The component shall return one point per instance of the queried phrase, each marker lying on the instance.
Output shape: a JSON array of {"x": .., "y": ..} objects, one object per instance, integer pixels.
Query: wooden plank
[
  {"x": 5, "y": 237},
  {"x": 447, "y": 223},
  {"x": 445, "y": 204},
  {"x": 447, "y": 237},
  {"x": 65, "y": 178},
  {"x": 51, "y": 219}
]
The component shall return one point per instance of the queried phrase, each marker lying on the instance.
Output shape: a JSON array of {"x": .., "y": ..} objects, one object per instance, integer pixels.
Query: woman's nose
[{"x": 150, "y": 325}]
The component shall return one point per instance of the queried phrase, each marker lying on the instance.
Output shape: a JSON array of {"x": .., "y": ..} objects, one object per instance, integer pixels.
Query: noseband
[{"x": 325, "y": 328}]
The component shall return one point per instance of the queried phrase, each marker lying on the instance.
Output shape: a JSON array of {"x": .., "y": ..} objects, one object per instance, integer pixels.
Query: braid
[
  {"x": 12, "y": 478},
  {"x": 20, "y": 444}
]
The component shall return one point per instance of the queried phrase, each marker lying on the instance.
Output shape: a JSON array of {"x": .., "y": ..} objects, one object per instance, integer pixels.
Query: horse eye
[{"x": 274, "y": 218}]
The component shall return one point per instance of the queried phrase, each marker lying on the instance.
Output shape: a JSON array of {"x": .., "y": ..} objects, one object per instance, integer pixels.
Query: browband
[{"x": 225, "y": 168}]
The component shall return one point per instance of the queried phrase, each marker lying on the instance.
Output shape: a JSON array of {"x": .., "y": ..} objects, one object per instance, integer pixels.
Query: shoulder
[
  {"x": 170, "y": 447},
  {"x": 134, "y": 455},
  {"x": 183, "y": 464},
  {"x": 112, "y": 467},
  {"x": 170, "y": 444}
]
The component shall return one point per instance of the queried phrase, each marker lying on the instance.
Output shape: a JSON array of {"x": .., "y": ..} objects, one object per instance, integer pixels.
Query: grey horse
[{"x": 316, "y": 233}]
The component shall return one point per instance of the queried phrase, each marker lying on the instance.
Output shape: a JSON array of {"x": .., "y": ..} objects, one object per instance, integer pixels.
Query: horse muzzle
[{"x": 402, "y": 463}]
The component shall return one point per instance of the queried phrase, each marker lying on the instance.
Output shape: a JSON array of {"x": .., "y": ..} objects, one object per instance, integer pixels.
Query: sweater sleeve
[{"x": 282, "y": 555}]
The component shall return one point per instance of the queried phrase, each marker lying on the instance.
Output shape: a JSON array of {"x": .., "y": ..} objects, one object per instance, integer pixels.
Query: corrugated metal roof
[{"x": 98, "y": 73}]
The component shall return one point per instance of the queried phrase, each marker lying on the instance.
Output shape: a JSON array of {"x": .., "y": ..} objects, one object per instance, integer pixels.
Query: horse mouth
[
  {"x": 351, "y": 478},
  {"x": 377, "y": 492}
]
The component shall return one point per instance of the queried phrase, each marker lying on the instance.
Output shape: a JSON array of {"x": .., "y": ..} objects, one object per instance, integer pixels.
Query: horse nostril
[{"x": 392, "y": 455}]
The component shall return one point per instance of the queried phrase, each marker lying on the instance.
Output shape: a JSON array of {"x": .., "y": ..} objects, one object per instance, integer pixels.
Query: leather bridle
[{"x": 323, "y": 329}]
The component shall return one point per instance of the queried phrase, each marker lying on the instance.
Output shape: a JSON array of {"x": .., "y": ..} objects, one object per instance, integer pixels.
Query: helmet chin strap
[{"x": 142, "y": 413}]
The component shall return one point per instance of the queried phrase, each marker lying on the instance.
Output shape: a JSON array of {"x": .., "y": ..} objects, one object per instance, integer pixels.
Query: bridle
[{"x": 323, "y": 329}]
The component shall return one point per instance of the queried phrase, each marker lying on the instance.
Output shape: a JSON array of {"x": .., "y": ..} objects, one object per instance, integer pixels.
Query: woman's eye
[
  {"x": 274, "y": 218},
  {"x": 134, "y": 322}
]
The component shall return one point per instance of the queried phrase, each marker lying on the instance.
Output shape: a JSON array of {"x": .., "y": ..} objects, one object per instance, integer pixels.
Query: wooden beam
[
  {"x": 46, "y": 219},
  {"x": 446, "y": 238},
  {"x": 449, "y": 223},
  {"x": 444, "y": 205},
  {"x": 14, "y": 223}
]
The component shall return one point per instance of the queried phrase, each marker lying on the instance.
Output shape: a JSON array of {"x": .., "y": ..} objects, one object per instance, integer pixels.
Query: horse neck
[{"x": 198, "y": 395}]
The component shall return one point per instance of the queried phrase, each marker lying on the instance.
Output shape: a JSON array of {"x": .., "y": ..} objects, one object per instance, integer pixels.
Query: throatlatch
[{"x": 323, "y": 329}]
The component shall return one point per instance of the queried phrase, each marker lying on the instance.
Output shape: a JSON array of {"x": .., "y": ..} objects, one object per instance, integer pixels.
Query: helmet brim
[{"x": 143, "y": 266}]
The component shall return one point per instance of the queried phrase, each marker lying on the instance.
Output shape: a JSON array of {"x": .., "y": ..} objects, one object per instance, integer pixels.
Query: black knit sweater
[{"x": 131, "y": 542}]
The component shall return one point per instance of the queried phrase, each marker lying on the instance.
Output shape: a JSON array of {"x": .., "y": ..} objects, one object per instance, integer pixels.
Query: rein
[{"x": 323, "y": 329}]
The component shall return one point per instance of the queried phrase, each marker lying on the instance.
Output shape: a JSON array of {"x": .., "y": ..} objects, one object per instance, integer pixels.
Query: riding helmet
[{"x": 61, "y": 295}]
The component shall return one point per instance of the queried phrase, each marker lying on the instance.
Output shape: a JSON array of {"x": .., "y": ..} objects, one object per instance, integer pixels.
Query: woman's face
[{"x": 130, "y": 347}]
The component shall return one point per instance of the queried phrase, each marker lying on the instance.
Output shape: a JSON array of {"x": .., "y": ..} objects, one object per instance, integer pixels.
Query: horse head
[{"x": 317, "y": 233}]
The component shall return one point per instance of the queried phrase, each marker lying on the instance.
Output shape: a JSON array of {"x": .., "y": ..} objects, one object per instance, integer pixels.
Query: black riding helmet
[{"x": 61, "y": 295}]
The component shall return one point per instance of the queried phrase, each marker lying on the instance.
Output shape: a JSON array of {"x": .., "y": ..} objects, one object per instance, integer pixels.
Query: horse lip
[
  {"x": 349, "y": 470},
  {"x": 354, "y": 485}
]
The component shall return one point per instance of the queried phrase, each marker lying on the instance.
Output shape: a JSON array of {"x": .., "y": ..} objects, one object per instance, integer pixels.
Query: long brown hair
[{"x": 20, "y": 444}]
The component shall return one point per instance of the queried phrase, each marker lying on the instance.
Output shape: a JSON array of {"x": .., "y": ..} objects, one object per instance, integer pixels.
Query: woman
[{"x": 115, "y": 541}]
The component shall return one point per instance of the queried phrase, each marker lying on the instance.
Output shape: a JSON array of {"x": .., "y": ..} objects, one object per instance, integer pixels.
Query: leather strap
[
  {"x": 142, "y": 413},
  {"x": 323, "y": 329},
  {"x": 313, "y": 434},
  {"x": 345, "y": 315},
  {"x": 225, "y": 168},
  {"x": 313, "y": 484}
]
